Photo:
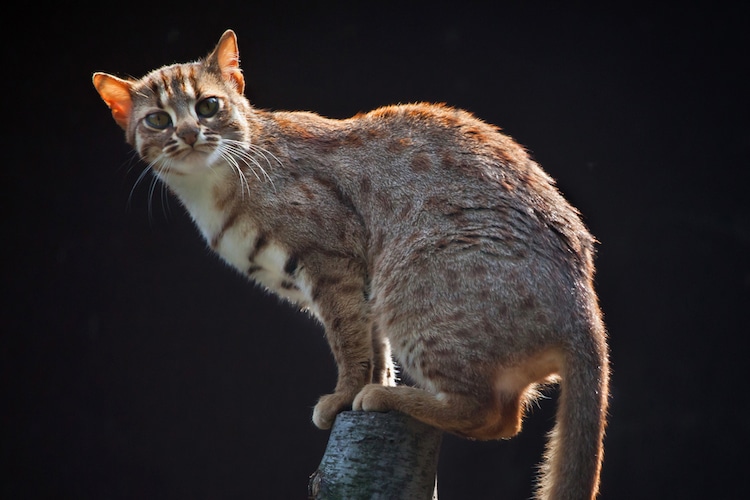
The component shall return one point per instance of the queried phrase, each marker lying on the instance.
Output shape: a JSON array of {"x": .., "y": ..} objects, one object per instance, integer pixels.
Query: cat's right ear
[{"x": 116, "y": 94}]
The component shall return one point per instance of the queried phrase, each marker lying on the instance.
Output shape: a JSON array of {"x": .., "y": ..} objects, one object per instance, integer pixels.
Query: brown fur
[{"x": 417, "y": 229}]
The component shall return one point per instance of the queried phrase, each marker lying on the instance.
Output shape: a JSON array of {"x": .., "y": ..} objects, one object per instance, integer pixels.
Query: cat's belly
[{"x": 267, "y": 263}]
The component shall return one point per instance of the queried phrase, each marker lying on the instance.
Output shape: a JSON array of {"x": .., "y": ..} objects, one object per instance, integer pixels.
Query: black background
[{"x": 135, "y": 365}]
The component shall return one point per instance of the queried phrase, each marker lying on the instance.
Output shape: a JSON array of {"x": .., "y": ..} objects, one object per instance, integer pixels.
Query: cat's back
[
  {"x": 441, "y": 167},
  {"x": 431, "y": 173},
  {"x": 433, "y": 151},
  {"x": 418, "y": 142},
  {"x": 435, "y": 138}
]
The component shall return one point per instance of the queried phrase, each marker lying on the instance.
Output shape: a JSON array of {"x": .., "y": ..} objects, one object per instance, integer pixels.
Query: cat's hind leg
[
  {"x": 463, "y": 414},
  {"x": 490, "y": 406}
]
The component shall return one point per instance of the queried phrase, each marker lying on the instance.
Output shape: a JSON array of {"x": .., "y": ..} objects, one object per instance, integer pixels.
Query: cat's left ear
[
  {"x": 116, "y": 94},
  {"x": 227, "y": 56}
]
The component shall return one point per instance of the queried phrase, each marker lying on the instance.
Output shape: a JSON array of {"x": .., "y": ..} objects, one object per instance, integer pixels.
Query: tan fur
[{"x": 416, "y": 229}]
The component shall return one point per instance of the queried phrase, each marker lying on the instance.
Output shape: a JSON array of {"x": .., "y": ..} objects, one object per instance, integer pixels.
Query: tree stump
[{"x": 378, "y": 456}]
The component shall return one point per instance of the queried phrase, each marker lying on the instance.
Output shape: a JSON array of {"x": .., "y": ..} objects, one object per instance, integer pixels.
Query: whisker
[
  {"x": 131, "y": 162},
  {"x": 244, "y": 151},
  {"x": 264, "y": 152},
  {"x": 242, "y": 155},
  {"x": 165, "y": 208},
  {"x": 165, "y": 167},
  {"x": 143, "y": 174},
  {"x": 151, "y": 189},
  {"x": 260, "y": 151},
  {"x": 232, "y": 153},
  {"x": 244, "y": 186},
  {"x": 245, "y": 158}
]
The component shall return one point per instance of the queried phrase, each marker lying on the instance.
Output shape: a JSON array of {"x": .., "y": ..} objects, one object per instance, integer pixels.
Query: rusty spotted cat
[{"x": 415, "y": 232}]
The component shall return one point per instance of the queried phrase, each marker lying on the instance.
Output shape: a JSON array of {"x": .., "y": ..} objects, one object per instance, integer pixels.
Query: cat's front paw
[
  {"x": 328, "y": 407},
  {"x": 373, "y": 397}
]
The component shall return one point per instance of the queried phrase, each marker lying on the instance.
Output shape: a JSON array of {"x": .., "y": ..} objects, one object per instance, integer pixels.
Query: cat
[{"x": 417, "y": 231}]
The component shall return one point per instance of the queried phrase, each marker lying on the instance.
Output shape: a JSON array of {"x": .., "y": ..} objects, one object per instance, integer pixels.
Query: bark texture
[{"x": 378, "y": 456}]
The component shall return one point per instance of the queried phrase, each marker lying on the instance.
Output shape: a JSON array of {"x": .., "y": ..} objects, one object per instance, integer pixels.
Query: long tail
[{"x": 575, "y": 448}]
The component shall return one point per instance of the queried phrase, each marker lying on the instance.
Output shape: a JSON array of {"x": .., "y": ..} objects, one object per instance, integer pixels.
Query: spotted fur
[{"x": 416, "y": 229}]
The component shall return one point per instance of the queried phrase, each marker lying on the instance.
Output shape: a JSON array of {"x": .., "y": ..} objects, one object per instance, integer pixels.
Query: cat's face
[{"x": 183, "y": 117}]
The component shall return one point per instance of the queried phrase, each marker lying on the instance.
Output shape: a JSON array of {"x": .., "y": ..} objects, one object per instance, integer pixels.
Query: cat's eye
[
  {"x": 206, "y": 108},
  {"x": 159, "y": 120}
]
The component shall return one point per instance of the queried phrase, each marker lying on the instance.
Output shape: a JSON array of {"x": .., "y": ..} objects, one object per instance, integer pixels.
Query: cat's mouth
[
  {"x": 185, "y": 160},
  {"x": 193, "y": 153}
]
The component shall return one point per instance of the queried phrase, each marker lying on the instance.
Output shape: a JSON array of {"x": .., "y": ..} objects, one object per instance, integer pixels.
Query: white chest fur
[{"x": 239, "y": 242}]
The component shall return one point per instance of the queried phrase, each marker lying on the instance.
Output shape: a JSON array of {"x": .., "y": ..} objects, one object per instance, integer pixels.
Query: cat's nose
[{"x": 189, "y": 135}]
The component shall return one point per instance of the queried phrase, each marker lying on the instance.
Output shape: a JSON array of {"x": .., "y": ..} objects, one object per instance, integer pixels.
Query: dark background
[{"x": 136, "y": 365}]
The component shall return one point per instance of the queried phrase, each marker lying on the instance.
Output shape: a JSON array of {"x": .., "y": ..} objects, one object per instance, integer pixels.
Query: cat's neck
[{"x": 199, "y": 192}]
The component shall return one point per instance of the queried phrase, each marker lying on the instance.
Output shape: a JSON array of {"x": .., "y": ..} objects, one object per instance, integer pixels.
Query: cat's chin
[
  {"x": 193, "y": 156},
  {"x": 187, "y": 163}
]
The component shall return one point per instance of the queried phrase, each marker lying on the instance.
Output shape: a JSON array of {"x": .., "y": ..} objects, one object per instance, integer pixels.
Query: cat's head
[{"x": 183, "y": 116}]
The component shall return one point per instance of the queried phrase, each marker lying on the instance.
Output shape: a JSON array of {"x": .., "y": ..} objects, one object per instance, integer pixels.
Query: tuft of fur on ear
[
  {"x": 226, "y": 56},
  {"x": 116, "y": 94}
]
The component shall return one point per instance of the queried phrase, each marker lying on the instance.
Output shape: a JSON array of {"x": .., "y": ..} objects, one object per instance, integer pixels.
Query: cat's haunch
[{"x": 413, "y": 231}]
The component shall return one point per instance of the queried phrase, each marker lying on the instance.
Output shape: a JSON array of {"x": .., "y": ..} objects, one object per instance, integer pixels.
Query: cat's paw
[
  {"x": 328, "y": 407},
  {"x": 373, "y": 397}
]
